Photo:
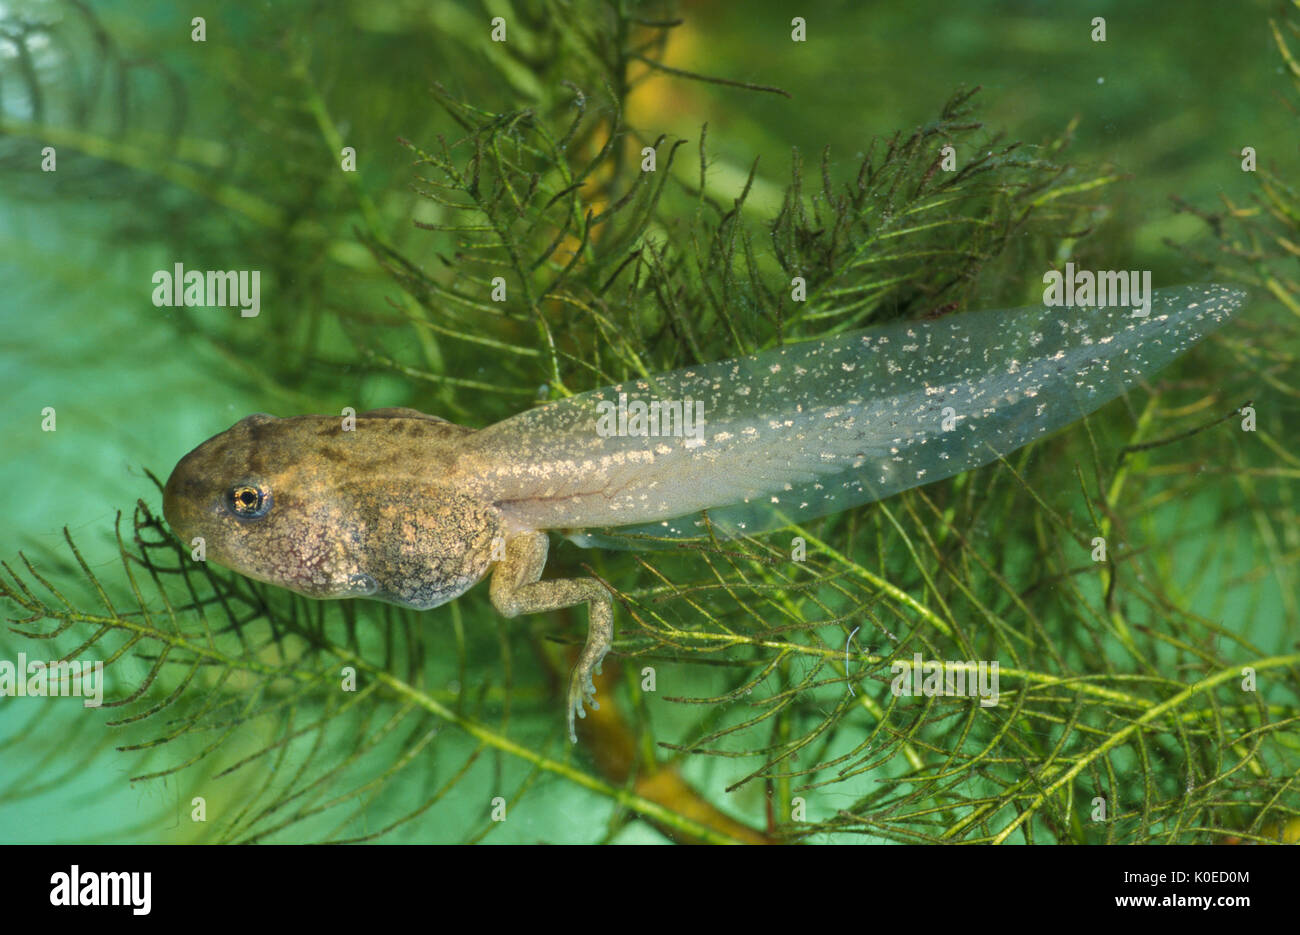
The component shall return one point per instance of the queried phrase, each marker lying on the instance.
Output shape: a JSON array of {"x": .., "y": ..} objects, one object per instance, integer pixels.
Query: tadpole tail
[{"x": 809, "y": 429}]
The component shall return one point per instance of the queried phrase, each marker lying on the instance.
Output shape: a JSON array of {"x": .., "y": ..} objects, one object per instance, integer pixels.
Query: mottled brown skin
[{"x": 387, "y": 510}]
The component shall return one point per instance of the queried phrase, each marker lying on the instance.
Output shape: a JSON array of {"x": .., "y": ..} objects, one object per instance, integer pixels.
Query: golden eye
[{"x": 248, "y": 501}]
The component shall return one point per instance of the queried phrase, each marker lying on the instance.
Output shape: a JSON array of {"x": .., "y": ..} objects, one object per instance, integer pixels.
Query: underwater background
[{"x": 225, "y": 154}]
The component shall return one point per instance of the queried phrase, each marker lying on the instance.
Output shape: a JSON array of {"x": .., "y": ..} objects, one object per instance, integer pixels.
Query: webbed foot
[{"x": 582, "y": 688}]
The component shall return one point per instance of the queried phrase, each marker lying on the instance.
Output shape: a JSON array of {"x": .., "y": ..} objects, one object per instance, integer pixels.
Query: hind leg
[{"x": 516, "y": 589}]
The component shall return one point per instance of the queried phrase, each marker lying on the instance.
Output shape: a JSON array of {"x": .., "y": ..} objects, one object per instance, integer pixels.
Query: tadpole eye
[{"x": 248, "y": 501}]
